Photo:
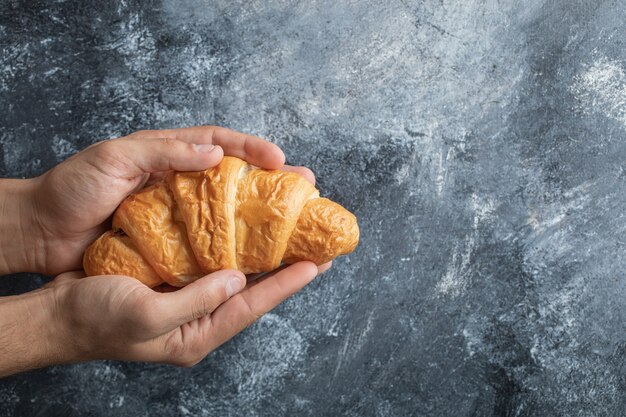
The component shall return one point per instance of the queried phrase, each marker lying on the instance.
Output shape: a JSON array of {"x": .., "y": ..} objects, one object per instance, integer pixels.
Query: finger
[
  {"x": 70, "y": 275},
  {"x": 257, "y": 299},
  {"x": 304, "y": 171},
  {"x": 199, "y": 298},
  {"x": 131, "y": 156},
  {"x": 253, "y": 149},
  {"x": 255, "y": 279},
  {"x": 324, "y": 267}
]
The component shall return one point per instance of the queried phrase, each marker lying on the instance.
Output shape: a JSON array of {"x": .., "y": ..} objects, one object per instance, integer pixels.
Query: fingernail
[
  {"x": 234, "y": 285},
  {"x": 204, "y": 147}
]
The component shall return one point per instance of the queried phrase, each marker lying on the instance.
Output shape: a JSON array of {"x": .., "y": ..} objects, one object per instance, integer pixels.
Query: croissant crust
[{"x": 231, "y": 216}]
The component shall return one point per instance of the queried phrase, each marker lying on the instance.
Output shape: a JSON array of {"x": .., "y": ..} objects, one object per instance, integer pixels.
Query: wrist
[
  {"x": 71, "y": 338},
  {"x": 21, "y": 243},
  {"x": 32, "y": 336}
]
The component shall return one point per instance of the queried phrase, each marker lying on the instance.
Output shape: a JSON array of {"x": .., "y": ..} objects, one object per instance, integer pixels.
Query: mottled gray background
[{"x": 481, "y": 143}]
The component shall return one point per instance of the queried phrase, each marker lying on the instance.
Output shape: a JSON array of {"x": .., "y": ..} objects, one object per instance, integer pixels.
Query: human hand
[
  {"x": 73, "y": 319},
  {"x": 71, "y": 203},
  {"x": 116, "y": 317}
]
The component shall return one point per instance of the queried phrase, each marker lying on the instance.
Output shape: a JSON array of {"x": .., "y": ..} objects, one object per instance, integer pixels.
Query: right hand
[{"x": 117, "y": 317}]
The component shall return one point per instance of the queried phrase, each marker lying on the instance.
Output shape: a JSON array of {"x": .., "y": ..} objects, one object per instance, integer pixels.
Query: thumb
[
  {"x": 70, "y": 275},
  {"x": 199, "y": 298},
  {"x": 132, "y": 156}
]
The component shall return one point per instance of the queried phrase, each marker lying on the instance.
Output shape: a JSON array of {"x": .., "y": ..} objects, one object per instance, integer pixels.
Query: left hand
[
  {"x": 72, "y": 203},
  {"x": 117, "y": 317},
  {"x": 74, "y": 319}
]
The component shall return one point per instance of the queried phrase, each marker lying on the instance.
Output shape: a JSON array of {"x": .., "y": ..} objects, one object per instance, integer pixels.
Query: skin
[{"x": 47, "y": 222}]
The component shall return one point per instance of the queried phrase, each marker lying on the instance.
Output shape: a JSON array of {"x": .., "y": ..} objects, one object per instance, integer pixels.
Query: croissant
[{"x": 231, "y": 216}]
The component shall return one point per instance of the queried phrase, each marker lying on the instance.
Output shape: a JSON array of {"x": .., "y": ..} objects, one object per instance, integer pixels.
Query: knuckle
[
  {"x": 189, "y": 147},
  {"x": 208, "y": 129},
  {"x": 105, "y": 149},
  {"x": 109, "y": 151},
  {"x": 207, "y": 132},
  {"x": 170, "y": 143},
  {"x": 106, "y": 155},
  {"x": 174, "y": 352},
  {"x": 203, "y": 305},
  {"x": 191, "y": 360},
  {"x": 181, "y": 355},
  {"x": 252, "y": 314}
]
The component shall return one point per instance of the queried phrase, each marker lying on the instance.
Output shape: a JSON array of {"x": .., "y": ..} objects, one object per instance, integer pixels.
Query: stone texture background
[{"x": 481, "y": 143}]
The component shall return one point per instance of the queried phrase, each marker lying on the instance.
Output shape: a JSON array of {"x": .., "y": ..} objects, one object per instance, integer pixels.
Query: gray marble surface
[{"x": 481, "y": 144}]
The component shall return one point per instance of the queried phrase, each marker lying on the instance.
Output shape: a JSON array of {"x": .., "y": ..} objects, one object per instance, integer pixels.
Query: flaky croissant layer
[{"x": 232, "y": 216}]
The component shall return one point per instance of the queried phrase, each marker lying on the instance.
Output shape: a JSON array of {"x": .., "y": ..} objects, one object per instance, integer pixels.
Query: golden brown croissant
[{"x": 231, "y": 216}]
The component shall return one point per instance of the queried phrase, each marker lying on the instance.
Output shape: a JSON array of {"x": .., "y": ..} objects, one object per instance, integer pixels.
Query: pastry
[{"x": 231, "y": 216}]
